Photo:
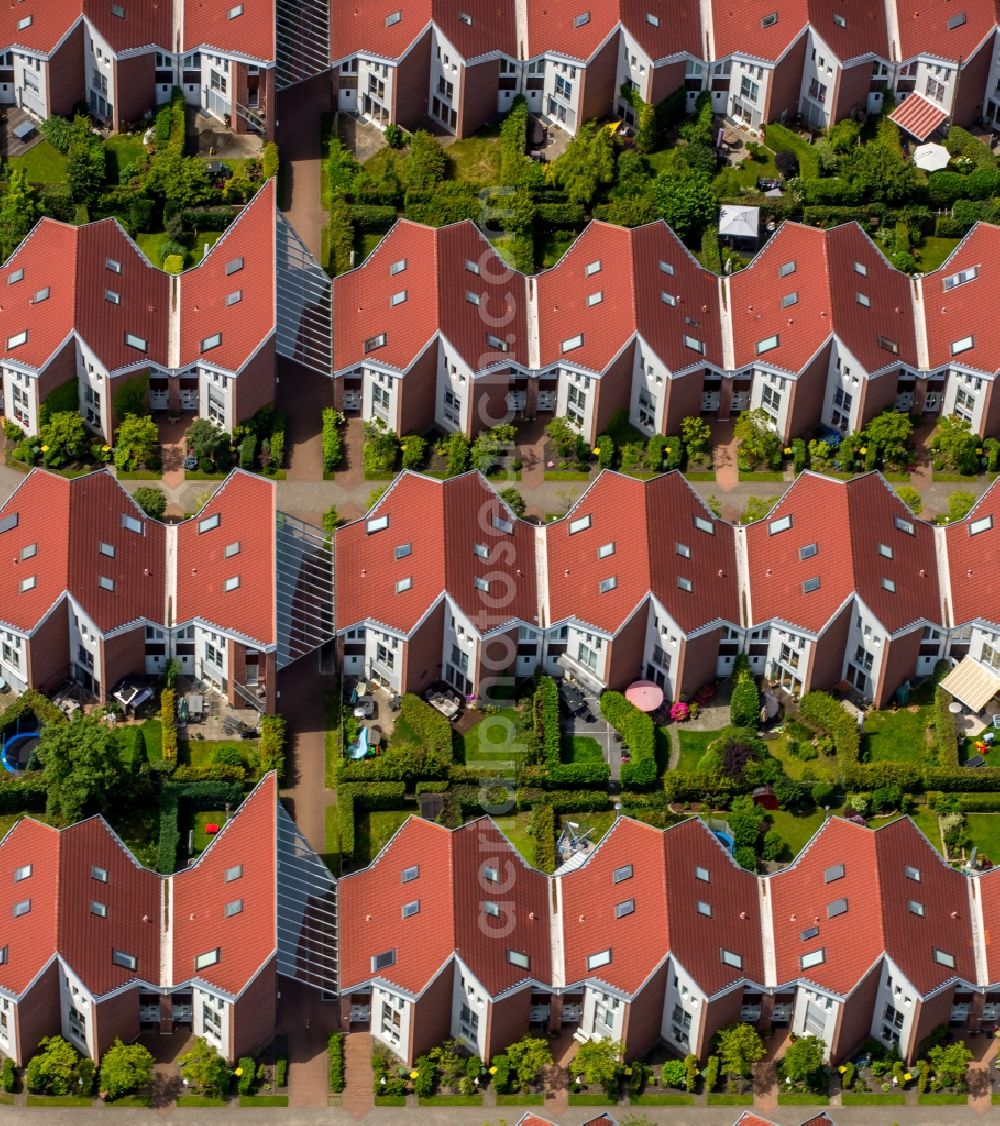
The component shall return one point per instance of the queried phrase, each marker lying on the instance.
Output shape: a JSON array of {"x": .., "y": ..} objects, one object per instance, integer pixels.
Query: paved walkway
[
  {"x": 299, "y": 112},
  {"x": 306, "y": 1021},
  {"x": 358, "y": 1097}
]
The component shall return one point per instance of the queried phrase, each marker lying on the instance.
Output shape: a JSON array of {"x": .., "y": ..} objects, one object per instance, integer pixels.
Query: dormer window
[
  {"x": 399, "y": 298},
  {"x": 767, "y": 344},
  {"x": 17, "y": 340},
  {"x": 136, "y": 342},
  {"x": 373, "y": 343},
  {"x": 234, "y": 11},
  {"x": 573, "y": 343},
  {"x": 113, "y": 265},
  {"x": 209, "y": 523},
  {"x": 581, "y": 20},
  {"x": 786, "y": 268},
  {"x": 393, "y": 18},
  {"x": 211, "y": 342}
]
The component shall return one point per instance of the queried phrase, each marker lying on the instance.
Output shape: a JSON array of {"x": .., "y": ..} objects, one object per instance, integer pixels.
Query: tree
[
  {"x": 696, "y": 434},
  {"x": 528, "y": 1057},
  {"x": 787, "y": 163},
  {"x": 203, "y": 1067},
  {"x": 688, "y": 203},
  {"x": 270, "y": 161},
  {"x": 64, "y": 437},
  {"x": 151, "y": 500},
  {"x": 85, "y": 171},
  {"x": 136, "y": 442},
  {"x": 125, "y": 1068},
  {"x": 179, "y": 181},
  {"x": 756, "y": 508},
  {"x": 881, "y": 172},
  {"x": 773, "y": 847},
  {"x": 744, "y": 704},
  {"x": 209, "y": 444},
  {"x": 599, "y": 1062},
  {"x": 950, "y": 1063},
  {"x": 53, "y": 1070},
  {"x": 739, "y": 1048},
  {"x": 425, "y": 163},
  {"x": 131, "y": 396},
  {"x": 586, "y": 164},
  {"x": 758, "y": 441},
  {"x": 911, "y": 498},
  {"x": 803, "y": 1060},
  {"x": 564, "y": 437},
  {"x": 745, "y": 821},
  {"x": 960, "y": 504},
  {"x": 955, "y": 445},
  {"x": 82, "y": 767},
  {"x": 890, "y": 433},
  {"x": 19, "y": 211},
  {"x": 514, "y": 500}
]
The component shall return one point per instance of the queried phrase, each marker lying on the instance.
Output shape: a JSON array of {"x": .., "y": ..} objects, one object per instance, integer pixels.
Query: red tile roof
[
  {"x": 361, "y": 26},
  {"x": 143, "y": 24},
  {"x": 800, "y": 897},
  {"x": 245, "y": 505},
  {"x": 953, "y": 314},
  {"x": 820, "y": 269},
  {"x": 923, "y": 28},
  {"x": 30, "y": 938},
  {"x": 973, "y": 581},
  {"x": 638, "y": 941},
  {"x": 621, "y": 509},
  {"x": 72, "y": 264},
  {"x": 551, "y": 28},
  {"x": 205, "y": 290},
  {"x": 251, "y": 34},
  {"x": 442, "y": 521},
  {"x": 67, "y": 521},
  {"x": 678, "y": 30},
  {"x": 917, "y": 116},
  {"x": 200, "y": 893},
  {"x": 847, "y": 521},
  {"x": 450, "y": 887},
  {"x": 436, "y": 281},
  {"x": 989, "y": 889},
  {"x": 912, "y": 940},
  {"x": 738, "y": 30},
  {"x": 631, "y": 280},
  {"x": 865, "y": 31},
  {"x": 51, "y": 20}
]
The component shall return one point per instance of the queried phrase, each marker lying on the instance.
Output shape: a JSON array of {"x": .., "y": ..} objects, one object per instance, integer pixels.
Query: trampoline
[{"x": 19, "y": 745}]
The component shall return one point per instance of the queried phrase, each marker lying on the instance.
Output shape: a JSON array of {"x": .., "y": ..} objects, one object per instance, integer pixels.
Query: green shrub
[
  {"x": 333, "y": 439},
  {"x": 414, "y": 449},
  {"x": 543, "y": 829},
  {"x": 335, "y": 1054},
  {"x": 826, "y": 713},
  {"x": 691, "y": 1073},
  {"x": 638, "y": 734},
  {"x": 169, "y": 833},
  {"x": 248, "y": 1075},
  {"x": 605, "y": 451},
  {"x": 272, "y": 744},
  {"x": 168, "y": 720},
  {"x": 8, "y": 1076},
  {"x": 546, "y": 716},
  {"x": 270, "y": 160},
  {"x": 945, "y": 730},
  {"x": 744, "y": 705},
  {"x": 281, "y": 1072},
  {"x": 711, "y": 1074}
]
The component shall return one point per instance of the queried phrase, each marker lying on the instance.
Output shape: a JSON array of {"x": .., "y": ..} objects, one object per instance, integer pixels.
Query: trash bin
[{"x": 903, "y": 694}]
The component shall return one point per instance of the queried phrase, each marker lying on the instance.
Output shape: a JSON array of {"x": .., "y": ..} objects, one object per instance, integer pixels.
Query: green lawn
[
  {"x": 331, "y": 838},
  {"x": 823, "y": 766},
  {"x": 492, "y": 741},
  {"x": 934, "y": 252},
  {"x": 365, "y": 242},
  {"x": 693, "y": 746},
  {"x": 554, "y": 246},
  {"x": 797, "y": 828},
  {"x": 139, "y": 828},
  {"x": 43, "y": 164},
  {"x": 746, "y": 174},
  {"x": 516, "y": 830},
  {"x": 205, "y": 241},
  {"x": 373, "y": 830},
  {"x": 199, "y": 752},
  {"x": 476, "y": 159},
  {"x": 122, "y": 151},
  {"x": 581, "y": 748},
  {"x": 207, "y": 817},
  {"x": 152, "y": 245},
  {"x": 899, "y": 736},
  {"x": 597, "y": 821},
  {"x": 984, "y": 829}
]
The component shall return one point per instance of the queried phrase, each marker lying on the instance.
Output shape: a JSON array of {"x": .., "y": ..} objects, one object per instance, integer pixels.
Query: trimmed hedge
[
  {"x": 985, "y": 778},
  {"x": 373, "y": 216},
  {"x": 945, "y": 730},
  {"x": 543, "y": 829},
  {"x": 40, "y": 707},
  {"x": 210, "y": 772},
  {"x": 744, "y": 705},
  {"x": 639, "y": 736},
  {"x": 168, "y": 722},
  {"x": 273, "y": 732},
  {"x": 561, "y": 801},
  {"x": 979, "y": 803},
  {"x": 566, "y": 776},
  {"x": 825, "y": 712},
  {"x": 371, "y": 795},
  {"x": 396, "y": 764},
  {"x": 170, "y": 833},
  {"x": 333, "y": 439},
  {"x": 430, "y": 726},
  {"x": 335, "y": 1052},
  {"x": 24, "y": 792},
  {"x": 546, "y": 715}
]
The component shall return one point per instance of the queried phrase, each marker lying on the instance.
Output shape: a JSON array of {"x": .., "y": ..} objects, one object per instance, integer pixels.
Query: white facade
[
  {"x": 95, "y": 405},
  {"x": 819, "y": 80},
  {"x": 772, "y": 392},
  {"x": 391, "y": 1015},
  {"x": 20, "y": 398},
  {"x": 31, "y": 83},
  {"x": 8, "y": 1027},
  {"x": 603, "y": 1015},
  {"x": 85, "y": 649},
  {"x": 446, "y": 72},
  {"x": 815, "y": 1014},
  {"x": 663, "y": 638},
  {"x": 469, "y": 1014},
  {"x": 99, "y": 75},
  {"x": 965, "y": 396},
  {"x": 76, "y": 1012},
  {"x": 747, "y": 94},
  {"x": 683, "y": 1010},
  {"x": 210, "y": 1017},
  {"x": 210, "y": 655},
  {"x": 559, "y": 99},
  {"x": 453, "y": 399},
  {"x": 13, "y": 663},
  {"x": 895, "y": 1007}
]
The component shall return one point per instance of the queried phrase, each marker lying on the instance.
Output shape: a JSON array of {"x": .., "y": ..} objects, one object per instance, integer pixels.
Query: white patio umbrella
[
  {"x": 738, "y": 221},
  {"x": 931, "y": 157}
]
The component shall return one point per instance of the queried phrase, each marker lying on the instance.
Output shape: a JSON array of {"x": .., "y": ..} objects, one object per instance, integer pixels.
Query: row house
[
  {"x": 97, "y": 590},
  {"x": 821, "y": 60},
  {"x": 124, "y": 59},
  {"x": 839, "y": 582},
  {"x": 659, "y": 937},
  {"x": 435, "y": 330},
  {"x": 204, "y": 342},
  {"x": 98, "y": 948}
]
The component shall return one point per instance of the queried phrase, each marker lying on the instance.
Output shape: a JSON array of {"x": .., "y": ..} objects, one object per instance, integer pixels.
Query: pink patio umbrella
[{"x": 646, "y": 695}]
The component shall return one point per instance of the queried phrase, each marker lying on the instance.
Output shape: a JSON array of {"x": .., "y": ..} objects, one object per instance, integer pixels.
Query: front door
[
  {"x": 189, "y": 398},
  {"x": 709, "y": 402}
]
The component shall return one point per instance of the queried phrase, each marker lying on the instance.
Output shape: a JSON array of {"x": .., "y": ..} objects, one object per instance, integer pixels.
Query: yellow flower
[
  {"x": 907, "y": 1077},
  {"x": 414, "y": 1074},
  {"x": 238, "y": 1071},
  {"x": 45, "y": 449},
  {"x": 842, "y": 1069},
  {"x": 105, "y": 448},
  {"x": 596, "y": 450},
  {"x": 788, "y": 449},
  {"x": 493, "y": 1071},
  {"x": 863, "y": 450}
]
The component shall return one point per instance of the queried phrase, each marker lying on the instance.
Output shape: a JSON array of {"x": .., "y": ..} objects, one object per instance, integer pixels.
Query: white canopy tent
[
  {"x": 972, "y": 683},
  {"x": 739, "y": 221}
]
